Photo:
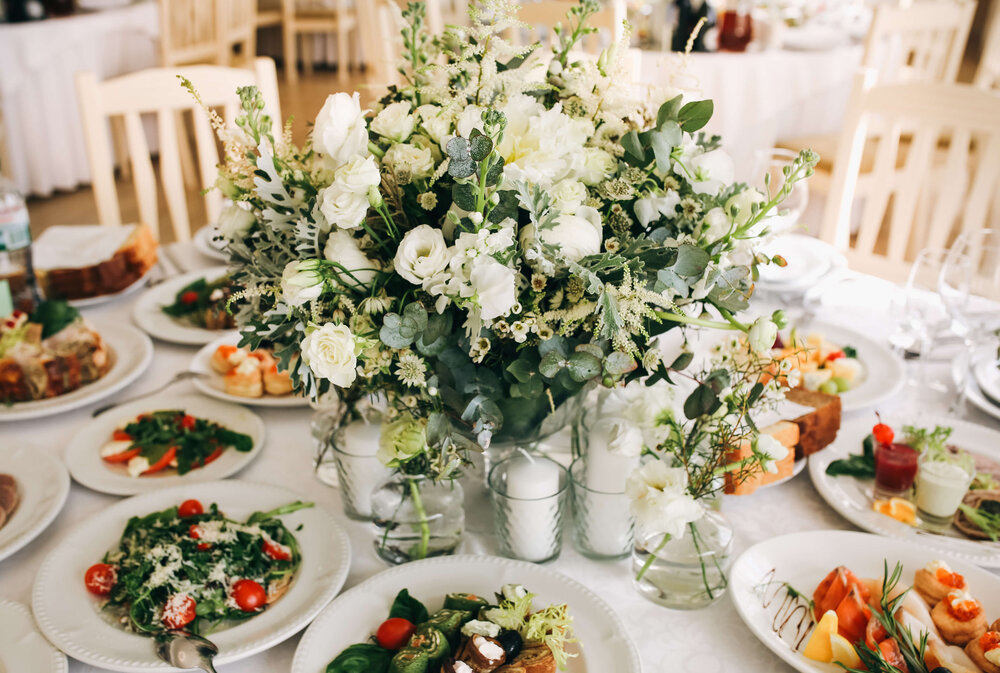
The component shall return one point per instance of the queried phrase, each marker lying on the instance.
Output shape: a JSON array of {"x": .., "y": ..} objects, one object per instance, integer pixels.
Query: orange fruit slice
[{"x": 899, "y": 509}]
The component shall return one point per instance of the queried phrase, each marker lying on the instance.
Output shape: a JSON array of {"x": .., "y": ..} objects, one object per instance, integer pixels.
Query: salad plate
[
  {"x": 212, "y": 384},
  {"x": 22, "y": 647},
  {"x": 206, "y": 242},
  {"x": 88, "y": 467},
  {"x": 603, "y": 643},
  {"x": 131, "y": 352},
  {"x": 760, "y": 576},
  {"x": 71, "y": 618},
  {"x": 148, "y": 314},
  {"x": 852, "y": 497},
  {"x": 960, "y": 375},
  {"x": 42, "y": 484}
]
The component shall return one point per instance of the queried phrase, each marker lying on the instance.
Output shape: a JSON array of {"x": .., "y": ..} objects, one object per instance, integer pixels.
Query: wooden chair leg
[{"x": 290, "y": 40}]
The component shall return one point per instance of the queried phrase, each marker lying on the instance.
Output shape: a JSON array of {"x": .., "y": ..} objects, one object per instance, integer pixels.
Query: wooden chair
[
  {"x": 946, "y": 183},
  {"x": 188, "y": 32},
  {"x": 269, "y": 13},
  {"x": 158, "y": 91},
  {"x": 236, "y": 26},
  {"x": 316, "y": 19},
  {"x": 542, "y": 15},
  {"x": 988, "y": 72}
]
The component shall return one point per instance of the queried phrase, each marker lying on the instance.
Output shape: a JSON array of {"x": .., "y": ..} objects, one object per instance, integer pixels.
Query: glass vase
[
  {"x": 687, "y": 573},
  {"x": 416, "y": 518}
]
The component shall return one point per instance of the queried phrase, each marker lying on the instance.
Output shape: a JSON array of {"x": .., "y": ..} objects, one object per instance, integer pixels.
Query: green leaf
[
  {"x": 695, "y": 115},
  {"x": 618, "y": 363},
  {"x": 530, "y": 389},
  {"x": 53, "y": 316},
  {"x": 390, "y": 332},
  {"x": 552, "y": 363},
  {"x": 593, "y": 349},
  {"x": 521, "y": 370},
  {"x": 691, "y": 261},
  {"x": 583, "y": 366},
  {"x": 464, "y": 195},
  {"x": 556, "y": 344},
  {"x": 682, "y": 362},
  {"x": 668, "y": 111},
  {"x": 480, "y": 147},
  {"x": 360, "y": 658},
  {"x": 408, "y": 607},
  {"x": 702, "y": 402},
  {"x": 459, "y": 149},
  {"x": 670, "y": 279},
  {"x": 495, "y": 172},
  {"x": 438, "y": 427},
  {"x": 663, "y": 143},
  {"x": 506, "y": 208},
  {"x": 413, "y": 322},
  {"x": 634, "y": 152},
  {"x": 459, "y": 169}
]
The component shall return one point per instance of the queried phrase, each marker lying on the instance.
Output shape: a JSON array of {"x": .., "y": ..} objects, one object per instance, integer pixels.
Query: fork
[{"x": 180, "y": 376}]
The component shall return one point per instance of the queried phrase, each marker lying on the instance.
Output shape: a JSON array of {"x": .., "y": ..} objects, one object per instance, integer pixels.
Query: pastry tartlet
[{"x": 959, "y": 617}]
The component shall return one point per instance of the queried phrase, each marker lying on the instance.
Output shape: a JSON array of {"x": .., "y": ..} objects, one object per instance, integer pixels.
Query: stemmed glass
[
  {"x": 923, "y": 314},
  {"x": 970, "y": 289}
]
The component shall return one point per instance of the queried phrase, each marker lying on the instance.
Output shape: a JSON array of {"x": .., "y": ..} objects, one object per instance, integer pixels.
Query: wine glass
[
  {"x": 923, "y": 314},
  {"x": 772, "y": 163}
]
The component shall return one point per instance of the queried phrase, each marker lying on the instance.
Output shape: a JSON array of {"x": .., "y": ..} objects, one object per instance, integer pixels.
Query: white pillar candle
[
  {"x": 531, "y": 483},
  {"x": 359, "y": 442},
  {"x": 607, "y": 471},
  {"x": 360, "y": 438}
]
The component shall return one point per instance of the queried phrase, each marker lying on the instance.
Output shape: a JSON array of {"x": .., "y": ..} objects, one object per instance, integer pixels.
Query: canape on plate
[{"x": 959, "y": 617}]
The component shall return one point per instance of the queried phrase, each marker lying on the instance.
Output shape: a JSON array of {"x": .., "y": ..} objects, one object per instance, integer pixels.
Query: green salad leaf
[
  {"x": 361, "y": 658},
  {"x": 860, "y": 466},
  {"x": 54, "y": 316},
  {"x": 408, "y": 607}
]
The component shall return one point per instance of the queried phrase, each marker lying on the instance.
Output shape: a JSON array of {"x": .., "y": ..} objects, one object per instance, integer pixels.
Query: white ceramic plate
[
  {"x": 131, "y": 352},
  {"x": 213, "y": 386},
  {"x": 206, "y": 243},
  {"x": 987, "y": 375},
  {"x": 70, "y": 618},
  {"x": 884, "y": 374},
  {"x": 604, "y": 645},
  {"x": 43, "y": 484},
  {"x": 804, "y": 559},
  {"x": 852, "y": 498},
  {"x": 797, "y": 468},
  {"x": 87, "y": 467},
  {"x": 809, "y": 259},
  {"x": 972, "y": 391},
  {"x": 22, "y": 647},
  {"x": 104, "y": 298},
  {"x": 148, "y": 313}
]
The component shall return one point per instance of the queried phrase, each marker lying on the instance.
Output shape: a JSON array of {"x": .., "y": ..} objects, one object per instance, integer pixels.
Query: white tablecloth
[
  {"x": 713, "y": 640},
  {"x": 38, "y": 95}
]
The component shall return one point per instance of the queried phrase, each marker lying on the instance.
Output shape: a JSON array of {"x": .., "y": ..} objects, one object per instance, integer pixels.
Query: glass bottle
[
  {"x": 18, "y": 287},
  {"x": 689, "y": 13},
  {"x": 736, "y": 26}
]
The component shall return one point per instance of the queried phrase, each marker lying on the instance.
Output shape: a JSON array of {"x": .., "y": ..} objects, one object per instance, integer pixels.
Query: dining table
[{"x": 710, "y": 640}]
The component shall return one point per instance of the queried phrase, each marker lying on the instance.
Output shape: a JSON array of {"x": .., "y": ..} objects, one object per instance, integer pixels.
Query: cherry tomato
[
  {"x": 883, "y": 433},
  {"x": 190, "y": 508},
  {"x": 121, "y": 436},
  {"x": 276, "y": 551},
  {"x": 100, "y": 578},
  {"x": 187, "y": 422},
  {"x": 394, "y": 633},
  {"x": 189, "y": 297},
  {"x": 203, "y": 546},
  {"x": 194, "y": 532},
  {"x": 179, "y": 611},
  {"x": 249, "y": 595}
]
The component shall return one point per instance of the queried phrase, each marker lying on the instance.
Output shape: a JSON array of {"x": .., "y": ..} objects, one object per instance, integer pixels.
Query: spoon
[
  {"x": 186, "y": 650},
  {"x": 180, "y": 376}
]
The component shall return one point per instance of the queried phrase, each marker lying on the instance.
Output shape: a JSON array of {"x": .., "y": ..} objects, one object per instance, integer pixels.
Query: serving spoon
[{"x": 186, "y": 650}]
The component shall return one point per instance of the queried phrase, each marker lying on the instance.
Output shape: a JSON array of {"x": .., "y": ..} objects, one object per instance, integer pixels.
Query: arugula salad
[
  {"x": 203, "y": 304},
  {"x": 469, "y": 634},
  {"x": 191, "y": 568}
]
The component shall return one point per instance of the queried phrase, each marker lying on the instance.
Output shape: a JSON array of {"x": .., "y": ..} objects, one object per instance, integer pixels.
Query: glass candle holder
[
  {"x": 603, "y": 526},
  {"x": 528, "y": 493},
  {"x": 358, "y": 470}
]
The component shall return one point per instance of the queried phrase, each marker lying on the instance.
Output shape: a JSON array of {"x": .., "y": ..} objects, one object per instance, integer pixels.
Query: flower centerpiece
[{"x": 502, "y": 231}]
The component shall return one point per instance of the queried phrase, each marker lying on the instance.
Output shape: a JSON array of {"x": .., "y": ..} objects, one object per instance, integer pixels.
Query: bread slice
[
  {"x": 817, "y": 429},
  {"x": 785, "y": 432}
]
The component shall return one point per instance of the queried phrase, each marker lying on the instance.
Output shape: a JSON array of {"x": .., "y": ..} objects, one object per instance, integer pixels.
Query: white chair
[
  {"x": 542, "y": 16},
  {"x": 988, "y": 72},
  {"x": 317, "y": 18},
  {"x": 236, "y": 27},
  {"x": 946, "y": 182},
  {"x": 157, "y": 91},
  {"x": 188, "y": 32},
  {"x": 379, "y": 22}
]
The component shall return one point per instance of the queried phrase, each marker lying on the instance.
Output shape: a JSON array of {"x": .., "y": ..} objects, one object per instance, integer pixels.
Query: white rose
[
  {"x": 331, "y": 353},
  {"x": 716, "y": 224},
  {"x": 651, "y": 208},
  {"x": 596, "y": 166},
  {"x": 568, "y": 196},
  {"x": 422, "y": 254},
  {"x": 340, "y": 132},
  {"x": 493, "y": 283},
  {"x": 576, "y": 236},
  {"x": 660, "y": 501},
  {"x": 762, "y": 334},
  {"x": 235, "y": 221},
  {"x": 343, "y": 249},
  {"x": 342, "y": 207},
  {"x": 712, "y": 172},
  {"x": 301, "y": 282},
  {"x": 771, "y": 452},
  {"x": 435, "y": 122},
  {"x": 394, "y": 122},
  {"x": 358, "y": 175},
  {"x": 418, "y": 160},
  {"x": 740, "y": 206}
]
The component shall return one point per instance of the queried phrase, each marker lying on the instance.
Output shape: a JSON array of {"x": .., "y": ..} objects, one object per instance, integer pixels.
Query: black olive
[{"x": 511, "y": 642}]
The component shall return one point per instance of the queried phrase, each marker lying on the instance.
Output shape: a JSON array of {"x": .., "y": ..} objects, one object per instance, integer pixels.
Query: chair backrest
[
  {"x": 157, "y": 91},
  {"x": 379, "y": 23},
  {"x": 543, "y": 15},
  {"x": 918, "y": 41},
  {"x": 922, "y": 193},
  {"x": 236, "y": 27},
  {"x": 188, "y": 32},
  {"x": 988, "y": 71}
]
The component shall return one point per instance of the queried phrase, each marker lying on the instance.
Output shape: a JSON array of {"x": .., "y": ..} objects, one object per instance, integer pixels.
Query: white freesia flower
[
  {"x": 343, "y": 249},
  {"x": 660, "y": 501},
  {"x": 762, "y": 334},
  {"x": 422, "y": 254},
  {"x": 340, "y": 131},
  {"x": 301, "y": 282},
  {"x": 332, "y": 353},
  {"x": 343, "y": 207},
  {"x": 575, "y": 236},
  {"x": 771, "y": 452},
  {"x": 358, "y": 175},
  {"x": 653, "y": 207},
  {"x": 711, "y": 172},
  {"x": 716, "y": 224},
  {"x": 394, "y": 122},
  {"x": 235, "y": 221},
  {"x": 494, "y": 286},
  {"x": 596, "y": 165},
  {"x": 419, "y": 161},
  {"x": 568, "y": 196},
  {"x": 740, "y": 206}
]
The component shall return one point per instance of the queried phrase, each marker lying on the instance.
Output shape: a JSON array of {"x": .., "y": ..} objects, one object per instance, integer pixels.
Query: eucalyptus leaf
[
  {"x": 507, "y": 207},
  {"x": 702, "y": 402},
  {"x": 618, "y": 363},
  {"x": 668, "y": 111},
  {"x": 391, "y": 334},
  {"x": 635, "y": 154},
  {"x": 663, "y": 141},
  {"x": 552, "y": 363},
  {"x": 583, "y": 366},
  {"x": 480, "y": 147},
  {"x": 695, "y": 115},
  {"x": 495, "y": 171},
  {"x": 682, "y": 361},
  {"x": 464, "y": 195},
  {"x": 691, "y": 261},
  {"x": 413, "y": 322}
]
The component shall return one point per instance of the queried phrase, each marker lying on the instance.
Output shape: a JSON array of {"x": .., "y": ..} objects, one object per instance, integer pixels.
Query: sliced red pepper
[
  {"x": 212, "y": 457},
  {"x": 121, "y": 436},
  {"x": 123, "y": 457},
  {"x": 163, "y": 462},
  {"x": 835, "y": 355}
]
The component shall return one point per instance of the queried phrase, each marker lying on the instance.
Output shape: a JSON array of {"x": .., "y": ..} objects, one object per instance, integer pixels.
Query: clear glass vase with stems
[
  {"x": 689, "y": 572},
  {"x": 415, "y": 517}
]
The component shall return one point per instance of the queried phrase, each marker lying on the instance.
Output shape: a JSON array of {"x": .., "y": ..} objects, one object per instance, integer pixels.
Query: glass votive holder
[
  {"x": 528, "y": 493},
  {"x": 603, "y": 525},
  {"x": 359, "y": 471}
]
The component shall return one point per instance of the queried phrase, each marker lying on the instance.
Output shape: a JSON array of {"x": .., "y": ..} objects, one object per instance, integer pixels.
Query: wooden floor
[{"x": 301, "y": 102}]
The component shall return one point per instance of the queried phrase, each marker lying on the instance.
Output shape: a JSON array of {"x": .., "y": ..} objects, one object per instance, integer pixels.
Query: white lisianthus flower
[
  {"x": 660, "y": 501},
  {"x": 494, "y": 286},
  {"x": 595, "y": 166},
  {"x": 470, "y": 118},
  {"x": 358, "y": 175},
  {"x": 653, "y": 207},
  {"x": 716, "y": 224},
  {"x": 762, "y": 334},
  {"x": 418, "y": 160},
  {"x": 301, "y": 282},
  {"x": 340, "y": 131},
  {"x": 343, "y": 249},
  {"x": 435, "y": 122},
  {"x": 235, "y": 221},
  {"x": 422, "y": 254},
  {"x": 394, "y": 122},
  {"x": 711, "y": 171},
  {"x": 576, "y": 236},
  {"x": 568, "y": 196},
  {"x": 740, "y": 206},
  {"x": 343, "y": 207},
  {"x": 332, "y": 353},
  {"x": 771, "y": 452}
]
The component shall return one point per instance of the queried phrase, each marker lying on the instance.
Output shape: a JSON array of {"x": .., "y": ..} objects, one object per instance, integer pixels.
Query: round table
[{"x": 713, "y": 640}]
